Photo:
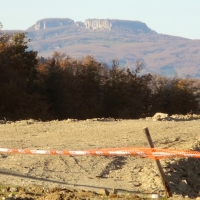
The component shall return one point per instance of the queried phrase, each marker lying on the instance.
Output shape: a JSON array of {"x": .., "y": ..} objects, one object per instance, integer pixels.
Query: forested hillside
[{"x": 60, "y": 87}]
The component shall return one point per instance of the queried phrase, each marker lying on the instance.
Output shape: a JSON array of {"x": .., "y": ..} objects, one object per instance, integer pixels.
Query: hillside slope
[{"x": 126, "y": 41}]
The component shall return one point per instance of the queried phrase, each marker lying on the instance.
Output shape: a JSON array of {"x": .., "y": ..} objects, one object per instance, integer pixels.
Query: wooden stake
[{"x": 160, "y": 170}]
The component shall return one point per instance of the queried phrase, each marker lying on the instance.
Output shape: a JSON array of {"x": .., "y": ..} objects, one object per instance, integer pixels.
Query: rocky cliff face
[
  {"x": 125, "y": 25},
  {"x": 50, "y": 23},
  {"x": 98, "y": 24}
]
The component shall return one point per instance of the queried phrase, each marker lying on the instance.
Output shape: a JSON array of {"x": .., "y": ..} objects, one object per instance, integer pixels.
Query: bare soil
[{"x": 96, "y": 177}]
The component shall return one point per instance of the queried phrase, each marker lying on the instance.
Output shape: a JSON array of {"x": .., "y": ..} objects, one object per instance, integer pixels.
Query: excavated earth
[{"x": 98, "y": 177}]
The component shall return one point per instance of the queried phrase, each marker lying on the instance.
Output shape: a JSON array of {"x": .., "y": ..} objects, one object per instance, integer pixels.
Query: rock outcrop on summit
[
  {"x": 125, "y": 25},
  {"x": 51, "y": 23},
  {"x": 93, "y": 24}
]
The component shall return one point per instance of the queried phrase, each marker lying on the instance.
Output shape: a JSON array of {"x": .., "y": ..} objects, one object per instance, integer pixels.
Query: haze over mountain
[{"x": 127, "y": 41}]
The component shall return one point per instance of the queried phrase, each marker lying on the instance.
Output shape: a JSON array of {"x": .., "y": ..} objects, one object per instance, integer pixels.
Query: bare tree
[{"x": 1, "y": 26}]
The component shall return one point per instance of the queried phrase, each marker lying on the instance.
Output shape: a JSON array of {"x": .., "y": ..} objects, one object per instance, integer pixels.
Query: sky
[{"x": 171, "y": 17}]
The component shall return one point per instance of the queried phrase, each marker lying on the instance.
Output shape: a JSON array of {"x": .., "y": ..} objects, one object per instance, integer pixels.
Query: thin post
[{"x": 160, "y": 170}]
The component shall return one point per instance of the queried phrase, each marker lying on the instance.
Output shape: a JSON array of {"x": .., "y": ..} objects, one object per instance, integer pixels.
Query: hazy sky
[{"x": 172, "y": 17}]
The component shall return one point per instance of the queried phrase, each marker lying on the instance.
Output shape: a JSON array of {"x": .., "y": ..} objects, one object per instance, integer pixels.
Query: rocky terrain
[{"x": 98, "y": 177}]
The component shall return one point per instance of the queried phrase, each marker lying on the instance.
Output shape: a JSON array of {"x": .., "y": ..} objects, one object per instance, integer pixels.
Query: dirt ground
[{"x": 96, "y": 177}]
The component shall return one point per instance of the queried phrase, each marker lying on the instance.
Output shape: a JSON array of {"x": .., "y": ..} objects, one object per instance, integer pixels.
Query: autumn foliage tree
[
  {"x": 174, "y": 95},
  {"x": 126, "y": 92},
  {"x": 17, "y": 75},
  {"x": 60, "y": 87},
  {"x": 72, "y": 88}
]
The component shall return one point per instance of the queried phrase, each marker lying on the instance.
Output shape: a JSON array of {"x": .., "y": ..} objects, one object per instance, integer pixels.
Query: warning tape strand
[{"x": 153, "y": 153}]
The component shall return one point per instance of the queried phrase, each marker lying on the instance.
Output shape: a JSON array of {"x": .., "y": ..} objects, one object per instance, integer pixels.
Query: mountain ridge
[
  {"x": 125, "y": 40},
  {"x": 92, "y": 24}
]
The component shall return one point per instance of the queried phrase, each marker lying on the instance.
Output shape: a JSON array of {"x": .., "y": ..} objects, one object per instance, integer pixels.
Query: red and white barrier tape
[{"x": 153, "y": 153}]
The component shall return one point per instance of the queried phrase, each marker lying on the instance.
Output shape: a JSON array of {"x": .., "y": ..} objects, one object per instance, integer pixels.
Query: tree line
[{"x": 60, "y": 87}]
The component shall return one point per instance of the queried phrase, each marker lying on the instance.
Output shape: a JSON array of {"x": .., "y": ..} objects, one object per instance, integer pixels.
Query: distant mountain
[{"x": 127, "y": 41}]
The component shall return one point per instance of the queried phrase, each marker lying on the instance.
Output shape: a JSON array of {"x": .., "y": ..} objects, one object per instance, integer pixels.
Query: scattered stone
[
  {"x": 14, "y": 189},
  {"x": 170, "y": 140},
  {"x": 196, "y": 146},
  {"x": 160, "y": 117},
  {"x": 31, "y": 121},
  {"x": 137, "y": 184},
  {"x": 175, "y": 117},
  {"x": 71, "y": 120},
  {"x": 113, "y": 195},
  {"x": 136, "y": 197},
  {"x": 4, "y": 190},
  {"x": 22, "y": 122},
  {"x": 3, "y": 156},
  {"x": 148, "y": 118},
  {"x": 11, "y": 195},
  {"x": 183, "y": 186},
  {"x": 104, "y": 192},
  {"x": 106, "y": 119},
  {"x": 2, "y": 122},
  {"x": 114, "y": 191},
  {"x": 136, "y": 170}
]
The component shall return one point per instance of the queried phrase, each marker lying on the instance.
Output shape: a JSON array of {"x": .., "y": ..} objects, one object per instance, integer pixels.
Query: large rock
[
  {"x": 52, "y": 22},
  {"x": 161, "y": 117}
]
